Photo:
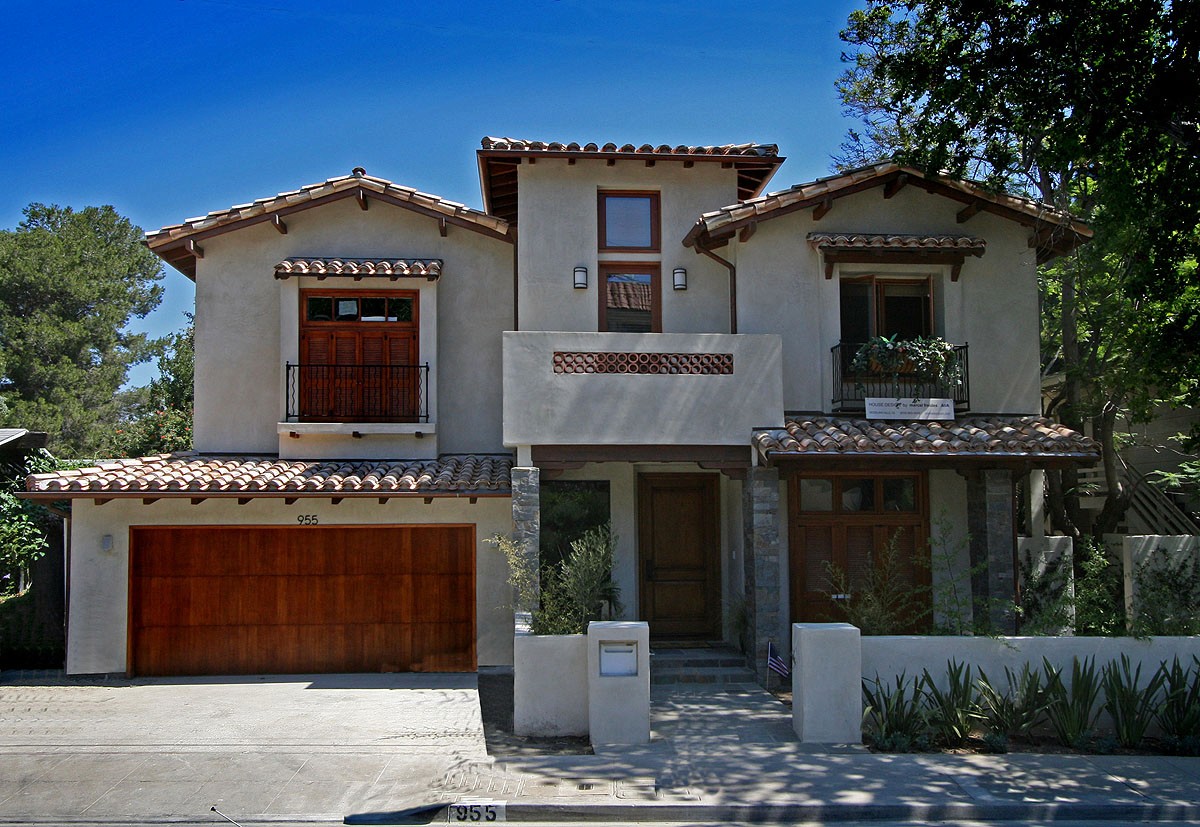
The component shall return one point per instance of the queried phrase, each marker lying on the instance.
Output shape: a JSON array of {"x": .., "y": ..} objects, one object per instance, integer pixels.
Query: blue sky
[{"x": 170, "y": 109}]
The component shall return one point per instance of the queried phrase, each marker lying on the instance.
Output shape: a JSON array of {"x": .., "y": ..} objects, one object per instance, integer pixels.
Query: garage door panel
[{"x": 238, "y": 600}]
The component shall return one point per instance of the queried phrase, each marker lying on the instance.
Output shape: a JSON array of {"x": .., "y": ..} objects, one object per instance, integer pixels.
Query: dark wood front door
[{"x": 679, "y": 545}]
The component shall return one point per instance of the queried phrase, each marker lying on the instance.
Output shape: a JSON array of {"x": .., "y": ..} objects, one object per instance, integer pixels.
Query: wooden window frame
[
  {"x": 317, "y": 292},
  {"x": 655, "y": 220},
  {"x": 878, "y": 283},
  {"x": 653, "y": 269}
]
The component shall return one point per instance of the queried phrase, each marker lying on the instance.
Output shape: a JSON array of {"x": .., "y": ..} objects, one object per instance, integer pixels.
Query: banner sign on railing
[{"x": 884, "y": 407}]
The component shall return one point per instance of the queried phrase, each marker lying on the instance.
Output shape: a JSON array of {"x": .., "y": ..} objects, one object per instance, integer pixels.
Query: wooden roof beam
[
  {"x": 895, "y": 185},
  {"x": 822, "y": 209},
  {"x": 277, "y": 223},
  {"x": 968, "y": 212},
  {"x": 194, "y": 248},
  {"x": 748, "y": 231},
  {"x": 361, "y": 197}
]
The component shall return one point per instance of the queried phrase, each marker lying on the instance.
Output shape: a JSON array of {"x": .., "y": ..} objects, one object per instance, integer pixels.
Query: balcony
[
  {"x": 357, "y": 393},
  {"x": 851, "y": 389},
  {"x": 568, "y": 388}
]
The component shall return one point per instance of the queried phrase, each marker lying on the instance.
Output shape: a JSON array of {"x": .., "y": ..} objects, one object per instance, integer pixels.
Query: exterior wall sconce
[
  {"x": 679, "y": 278},
  {"x": 580, "y": 278}
]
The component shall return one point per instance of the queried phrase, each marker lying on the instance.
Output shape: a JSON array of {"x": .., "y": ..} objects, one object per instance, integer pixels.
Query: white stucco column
[{"x": 827, "y": 683}]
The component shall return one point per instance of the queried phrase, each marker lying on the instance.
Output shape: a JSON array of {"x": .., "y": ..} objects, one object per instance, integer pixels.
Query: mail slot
[{"x": 618, "y": 658}]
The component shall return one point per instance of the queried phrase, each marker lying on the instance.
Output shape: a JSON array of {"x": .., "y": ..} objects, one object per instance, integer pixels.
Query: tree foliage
[
  {"x": 1088, "y": 105},
  {"x": 70, "y": 281},
  {"x": 158, "y": 418}
]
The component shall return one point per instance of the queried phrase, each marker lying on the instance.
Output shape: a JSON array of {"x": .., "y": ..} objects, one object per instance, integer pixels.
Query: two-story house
[{"x": 385, "y": 379}]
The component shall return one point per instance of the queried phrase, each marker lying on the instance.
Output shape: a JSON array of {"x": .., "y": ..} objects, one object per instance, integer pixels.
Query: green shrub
[
  {"x": 884, "y": 602},
  {"x": 954, "y": 711},
  {"x": 1168, "y": 596},
  {"x": 1130, "y": 705},
  {"x": 896, "y": 716},
  {"x": 1178, "y": 715},
  {"x": 1099, "y": 592},
  {"x": 1072, "y": 712},
  {"x": 1016, "y": 711}
]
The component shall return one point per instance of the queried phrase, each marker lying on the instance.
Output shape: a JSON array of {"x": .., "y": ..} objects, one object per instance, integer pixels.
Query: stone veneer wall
[
  {"x": 527, "y": 509},
  {"x": 763, "y": 564}
]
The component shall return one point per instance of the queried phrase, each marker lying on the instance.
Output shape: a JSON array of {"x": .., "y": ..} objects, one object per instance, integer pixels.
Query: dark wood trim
[
  {"x": 651, "y": 268},
  {"x": 953, "y": 258},
  {"x": 359, "y": 326},
  {"x": 277, "y": 223},
  {"x": 875, "y": 463},
  {"x": 571, "y": 456},
  {"x": 655, "y": 220},
  {"x": 894, "y": 186}
]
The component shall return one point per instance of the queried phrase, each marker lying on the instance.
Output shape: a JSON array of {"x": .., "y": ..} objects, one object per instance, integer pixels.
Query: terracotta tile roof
[
  {"x": 520, "y": 145},
  {"x": 499, "y": 159},
  {"x": 882, "y": 241},
  {"x": 1062, "y": 231},
  {"x": 171, "y": 242},
  {"x": 984, "y": 436},
  {"x": 190, "y": 474},
  {"x": 358, "y": 268}
]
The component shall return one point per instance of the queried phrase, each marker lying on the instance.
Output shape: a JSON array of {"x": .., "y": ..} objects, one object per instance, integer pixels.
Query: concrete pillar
[
  {"x": 993, "y": 538},
  {"x": 618, "y": 659},
  {"x": 527, "y": 510},
  {"x": 1037, "y": 503},
  {"x": 827, "y": 683},
  {"x": 763, "y": 564}
]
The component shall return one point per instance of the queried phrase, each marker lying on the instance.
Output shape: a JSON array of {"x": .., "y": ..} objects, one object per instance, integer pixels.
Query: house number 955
[
  {"x": 457, "y": 813},
  {"x": 306, "y": 519}
]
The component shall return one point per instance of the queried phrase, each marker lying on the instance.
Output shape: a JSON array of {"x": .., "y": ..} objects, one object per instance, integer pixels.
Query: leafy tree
[
  {"x": 158, "y": 418},
  {"x": 1088, "y": 105},
  {"x": 69, "y": 283}
]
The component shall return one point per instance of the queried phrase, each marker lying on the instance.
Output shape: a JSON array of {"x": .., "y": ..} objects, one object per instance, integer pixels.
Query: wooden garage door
[{"x": 243, "y": 600}]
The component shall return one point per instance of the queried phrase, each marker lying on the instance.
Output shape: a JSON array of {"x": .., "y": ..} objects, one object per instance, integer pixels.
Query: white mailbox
[{"x": 618, "y": 659}]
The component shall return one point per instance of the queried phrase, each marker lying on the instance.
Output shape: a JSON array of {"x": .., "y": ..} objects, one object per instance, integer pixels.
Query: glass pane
[
  {"x": 400, "y": 310},
  {"x": 858, "y": 495},
  {"x": 629, "y": 302},
  {"x": 899, "y": 494},
  {"x": 856, "y": 312},
  {"x": 905, "y": 311},
  {"x": 374, "y": 309},
  {"x": 320, "y": 309},
  {"x": 816, "y": 495},
  {"x": 347, "y": 310},
  {"x": 628, "y": 221}
]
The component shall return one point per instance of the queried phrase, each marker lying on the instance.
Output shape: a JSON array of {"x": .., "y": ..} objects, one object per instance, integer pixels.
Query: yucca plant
[
  {"x": 896, "y": 715},
  {"x": 1130, "y": 705},
  {"x": 954, "y": 711},
  {"x": 1015, "y": 712},
  {"x": 1178, "y": 715},
  {"x": 1072, "y": 712}
]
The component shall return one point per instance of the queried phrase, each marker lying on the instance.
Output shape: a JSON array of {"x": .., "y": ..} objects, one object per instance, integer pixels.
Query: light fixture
[
  {"x": 679, "y": 278},
  {"x": 580, "y": 278}
]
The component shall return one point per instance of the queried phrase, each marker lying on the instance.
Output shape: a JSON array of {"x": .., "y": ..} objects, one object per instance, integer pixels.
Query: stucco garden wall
[
  {"x": 99, "y": 601},
  {"x": 247, "y": 323},
  {"x": 993, "y": 307}
]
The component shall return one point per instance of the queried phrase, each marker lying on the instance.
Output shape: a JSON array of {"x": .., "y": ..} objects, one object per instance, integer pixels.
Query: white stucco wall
[
  {"x": 557, "y": 219},
  {"x": 99, "y": 601},
  {"x": 542, "y": 407},
  {"x": 993, "y": 307},
  {"x": 247, "y": 321}
]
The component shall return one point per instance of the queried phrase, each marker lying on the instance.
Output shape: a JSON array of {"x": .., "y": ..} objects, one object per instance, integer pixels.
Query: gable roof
[
  {"x": 1056, "y": 232},
  {"x": 177, "y": 244},
  {"x": 499, "y": 158}
]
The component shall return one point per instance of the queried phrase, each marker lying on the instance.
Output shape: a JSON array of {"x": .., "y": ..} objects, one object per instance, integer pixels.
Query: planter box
[{"x": 550, "y": 686}]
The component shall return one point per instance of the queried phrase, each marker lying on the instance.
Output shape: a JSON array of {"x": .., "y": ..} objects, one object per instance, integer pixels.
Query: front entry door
[{"x": 679, "y": 545}]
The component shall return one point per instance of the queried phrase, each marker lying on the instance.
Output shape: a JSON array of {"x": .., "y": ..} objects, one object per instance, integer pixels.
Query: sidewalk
[{"x": 731, "y": 756}]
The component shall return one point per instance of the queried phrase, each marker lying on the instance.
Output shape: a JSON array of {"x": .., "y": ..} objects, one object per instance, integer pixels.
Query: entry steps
[{"x": 714, "y": 664}]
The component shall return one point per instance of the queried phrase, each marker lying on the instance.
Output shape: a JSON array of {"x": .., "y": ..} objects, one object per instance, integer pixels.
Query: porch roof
[
  {"x": 360, "y": 268},
  {"x": 1034, "y": 439},
  {"x": 199, "y": 475}
]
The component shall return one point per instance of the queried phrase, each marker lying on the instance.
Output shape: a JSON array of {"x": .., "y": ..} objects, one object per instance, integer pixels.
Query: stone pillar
[
  {"x": 527, "y": 509},
  {"x": 993, "y": 537},
  {"x": 763, "y": 565}
]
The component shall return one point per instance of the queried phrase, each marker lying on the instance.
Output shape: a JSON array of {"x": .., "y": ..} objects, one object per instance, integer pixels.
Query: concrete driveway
[{"x": 257, "y": 748}]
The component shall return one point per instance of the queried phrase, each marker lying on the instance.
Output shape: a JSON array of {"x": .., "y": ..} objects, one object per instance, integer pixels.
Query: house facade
[{"x": 386, "y": 379}]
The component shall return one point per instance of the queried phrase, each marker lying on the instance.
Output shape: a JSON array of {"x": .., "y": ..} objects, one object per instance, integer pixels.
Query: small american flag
[{"x": 777, "y": 664}]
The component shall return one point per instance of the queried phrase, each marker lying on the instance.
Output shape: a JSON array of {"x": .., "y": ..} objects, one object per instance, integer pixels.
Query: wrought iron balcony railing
[
  {"x": 357, "y": 393},
  {"x": 851, "y": 388}
]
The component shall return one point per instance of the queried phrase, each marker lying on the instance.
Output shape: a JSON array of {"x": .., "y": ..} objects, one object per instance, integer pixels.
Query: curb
[{"x": 799, "y": 813}]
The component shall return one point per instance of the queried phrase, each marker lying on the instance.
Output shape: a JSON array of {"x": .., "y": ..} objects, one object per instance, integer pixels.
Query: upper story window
[
  {"x": 873, "y": 306},
  {"x": 630, "y": 298},
  {"x": 629, "y": 222}
]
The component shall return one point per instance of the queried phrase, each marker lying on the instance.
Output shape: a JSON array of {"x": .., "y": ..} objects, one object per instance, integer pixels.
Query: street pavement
[{"x": 395, "y": 748}]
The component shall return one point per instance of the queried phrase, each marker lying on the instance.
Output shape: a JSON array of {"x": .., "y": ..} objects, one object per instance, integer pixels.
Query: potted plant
[{"x": 930, "y": 360}]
